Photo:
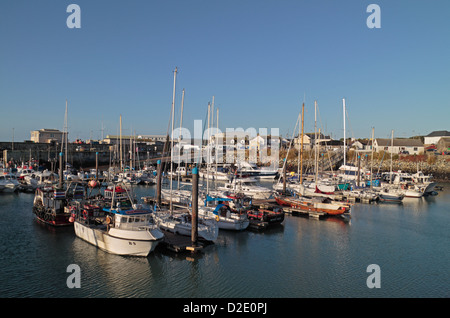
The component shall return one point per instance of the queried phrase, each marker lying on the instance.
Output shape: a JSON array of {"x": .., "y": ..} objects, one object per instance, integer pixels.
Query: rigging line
[
  {"x": 348, "y": 119},
  {"x": 203, "y": 135},
  {"x": 326, "y": 145},
  {"x": 290, "y": 144}
]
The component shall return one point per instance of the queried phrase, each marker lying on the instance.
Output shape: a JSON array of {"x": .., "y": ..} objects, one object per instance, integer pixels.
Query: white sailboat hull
[
  {"x": 208, "y": 232},
  {"x": 232, "y": 223}
]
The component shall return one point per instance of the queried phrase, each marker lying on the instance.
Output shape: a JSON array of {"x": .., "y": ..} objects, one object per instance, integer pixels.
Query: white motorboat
[
  {"x": 362, "y": 194},
  {"x": 43, "y": 178},
  {"x": 219, "y": 174},
  {"x": 124, "y": 228},
  {"x": 247, "y": 187},
  {"x": 177, "y": 196},
  {"x": 390, "y": 195},
  {"x": 424, "y": 181},
  {"x": 252, "y": 170},
  {"x": 8, "y": 182}
]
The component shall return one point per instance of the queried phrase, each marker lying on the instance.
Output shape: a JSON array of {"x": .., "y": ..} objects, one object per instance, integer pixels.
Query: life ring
[
  {"x": 85, "y": 214},
  {"x": 217, "y": 218},
  {"x": 108, "y": 219}
]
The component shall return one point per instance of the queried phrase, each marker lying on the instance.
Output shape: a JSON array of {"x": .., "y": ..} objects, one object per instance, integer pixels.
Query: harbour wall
[
  {"x": 78, "y": 155},
  {"x": 436, "y": 165}
]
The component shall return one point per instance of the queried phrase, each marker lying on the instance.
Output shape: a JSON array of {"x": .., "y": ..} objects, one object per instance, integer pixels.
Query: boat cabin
[{"x": 117, "y": 193}]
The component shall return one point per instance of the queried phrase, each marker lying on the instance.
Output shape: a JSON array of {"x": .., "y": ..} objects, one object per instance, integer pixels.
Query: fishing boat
[
  {"x": 121, "y": 228},
  {"x": 50, "y": 204},
  {"x": 269, "y": 215},
  {"x": 316, "y": 204}
]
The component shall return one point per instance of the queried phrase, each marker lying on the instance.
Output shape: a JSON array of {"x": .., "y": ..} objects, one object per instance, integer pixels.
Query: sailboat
[
  {"x": 180, "y": 222},
  {"x": 315, "y": 200},
  {"x": 390, "y": 192},
  {"x": 229, "y": 216},
  {"x": 314, "y": 204}
]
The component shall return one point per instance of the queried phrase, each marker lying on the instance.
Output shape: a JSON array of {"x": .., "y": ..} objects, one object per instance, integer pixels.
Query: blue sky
[{"x": 260, "y": 59}]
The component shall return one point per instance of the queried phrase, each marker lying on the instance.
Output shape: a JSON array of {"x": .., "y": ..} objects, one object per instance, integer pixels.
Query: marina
[
  {"x": 224, "y": 156},
  {"x": 308, "y": 257}
]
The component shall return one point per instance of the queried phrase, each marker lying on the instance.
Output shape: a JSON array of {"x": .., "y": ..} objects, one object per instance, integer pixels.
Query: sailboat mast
[
  {"x": 371, "y": 163},
  {"x": 392, "y": 149},
  {"x": 207, "y": 151},
  {"x": 171, "y": 150},
  {"x": 301, "y": 147},
  {"x": 343, "y": 105},
  {"x": 179, "y": 136},
  {"x": 217, "y": 139},
  {"x": 66, "y": 132},
  {"x": 315, "y": 140},
  {"x": 120, "y": 144}
]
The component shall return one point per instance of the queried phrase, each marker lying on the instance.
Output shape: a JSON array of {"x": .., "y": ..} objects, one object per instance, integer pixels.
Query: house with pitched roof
[
  {"x": 433, "y": 137},
  {"x": 399, "y": 145}
]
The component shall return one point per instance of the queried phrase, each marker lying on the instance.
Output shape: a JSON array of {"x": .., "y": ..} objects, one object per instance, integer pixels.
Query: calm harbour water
[{"x": 300, "y": 258}]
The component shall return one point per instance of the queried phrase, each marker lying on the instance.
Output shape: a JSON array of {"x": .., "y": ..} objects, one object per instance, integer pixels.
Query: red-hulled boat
[
  {"x": 319, "y": 205},
  {"x": 50, "y": 204}
]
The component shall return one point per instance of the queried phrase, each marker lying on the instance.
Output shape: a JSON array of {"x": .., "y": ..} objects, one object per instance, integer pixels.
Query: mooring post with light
[{"x": 158, "y": 183}]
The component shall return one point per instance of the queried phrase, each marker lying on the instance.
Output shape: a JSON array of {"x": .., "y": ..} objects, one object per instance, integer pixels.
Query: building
[
  {"x": 433, "y": 137},
  {"x": 363, "y": 144},
  {"x": 47, "y": 136},
  {"x": 443, "y": 145},
  {"x": 411, "y": 146},
  {"x": 148, "y": 139},
  {"x": 308, "y": 140}
]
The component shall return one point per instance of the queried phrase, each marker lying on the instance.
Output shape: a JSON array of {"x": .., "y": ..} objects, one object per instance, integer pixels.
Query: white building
[
  {"x": 433, "y": 137},
  {"x": 412, "y": 146},
  {"x": 47, "y": 135}
]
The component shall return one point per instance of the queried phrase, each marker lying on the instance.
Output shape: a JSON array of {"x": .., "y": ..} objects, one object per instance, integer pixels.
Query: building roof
[
  {"x": 399, "y": 142},
  {"x": 48, "y": 130},
  {"x": 445, "y": 140},
  {"x": 438, "y": 133}
]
